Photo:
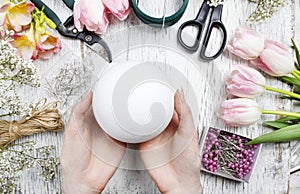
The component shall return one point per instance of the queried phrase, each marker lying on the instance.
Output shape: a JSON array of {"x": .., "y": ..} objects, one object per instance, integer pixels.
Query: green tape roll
[{"x": 159, "y": 22}]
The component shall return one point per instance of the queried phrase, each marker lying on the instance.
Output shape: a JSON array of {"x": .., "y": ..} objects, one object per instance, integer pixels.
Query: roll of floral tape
[{"x": 159, "y": 22}]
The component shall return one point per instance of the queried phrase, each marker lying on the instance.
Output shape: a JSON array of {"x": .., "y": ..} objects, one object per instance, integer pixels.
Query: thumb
[
  {"x": 181, "y": 107},
  {"x": 186, "y": 123},
  {"x": 78, "y": 113},
  {"x": 83, "y": 106}
]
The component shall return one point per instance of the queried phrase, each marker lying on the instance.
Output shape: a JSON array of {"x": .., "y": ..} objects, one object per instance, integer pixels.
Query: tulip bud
[
  {"x": 245, "y": 82},
  {"x": 275, "y": 59},
  {"x": 95, "y": 19},
  {"x": 119, "y": 8},
  {"x": 246, "y": 43},
  {"x": 240, "y": 112}
]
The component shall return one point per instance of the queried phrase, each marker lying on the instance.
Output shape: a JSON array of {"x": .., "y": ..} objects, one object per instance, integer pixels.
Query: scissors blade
[{"x": 101, "y": 48}]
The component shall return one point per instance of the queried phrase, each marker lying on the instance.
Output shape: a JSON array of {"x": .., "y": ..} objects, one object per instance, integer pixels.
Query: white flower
[{"x": 14, "y": 72}]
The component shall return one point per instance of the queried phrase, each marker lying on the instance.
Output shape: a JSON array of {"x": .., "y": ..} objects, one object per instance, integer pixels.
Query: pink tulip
[
  {"x": 240, "y": 112},
  {"x": 275, "y": 59},
  {"x": 15, "y": 16},
  {"x": 47, "y": 45},
  {"x": 119, "y": 8},
  {"x": 246, "y": 43},
  {"x": 25, "y": 44},
  {"x": 245, "y": 82},
  {"x": 90, "y": 14}
]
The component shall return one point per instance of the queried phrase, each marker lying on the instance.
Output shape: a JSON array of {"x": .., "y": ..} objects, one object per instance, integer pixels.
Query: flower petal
[
  {"x": 275, "y": 59},
  {"x": 20, "y": 15},
  {"x": 91, "y": 14},
  {"x": 246, "y": 43},
  {"x": 245, "y": 82},
  {"x": 240, "y": 112},
  {"x": 47, "y": 45},
  {"x": 2, "y": 18},
  {"x": 119, "y": 8},
  {"x": 25, "y": 48}
]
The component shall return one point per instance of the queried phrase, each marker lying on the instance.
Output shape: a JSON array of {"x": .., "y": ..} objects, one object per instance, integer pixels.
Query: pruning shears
[{"x": 68, "y": 29}]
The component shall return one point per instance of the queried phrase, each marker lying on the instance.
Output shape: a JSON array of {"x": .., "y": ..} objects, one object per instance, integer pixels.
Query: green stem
[
  {"x": 296, "y": 74},
  {"x": 292, "y": 94},
  {"x": 296, "y": 71},
  {"x": 284, "y": 113}
]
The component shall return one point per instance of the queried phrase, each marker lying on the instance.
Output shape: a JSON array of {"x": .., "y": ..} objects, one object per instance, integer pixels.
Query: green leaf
[
  {"x": 287, "y": 118},
  {"x": 296, "y": 90},
  {"x": 276, "y": 124},
  {"x": 290, "y": 80},
  {"x": 289, "y": 133},
  {"x": 296, "y": 52},
  {"x": 291, "y": 98},
  {"x": 297, "y": 65}
]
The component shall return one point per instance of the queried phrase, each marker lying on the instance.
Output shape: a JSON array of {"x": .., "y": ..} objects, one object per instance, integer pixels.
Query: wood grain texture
[
  {"x": 295, "y": 177},
  {"x": 271, "y": 175}
]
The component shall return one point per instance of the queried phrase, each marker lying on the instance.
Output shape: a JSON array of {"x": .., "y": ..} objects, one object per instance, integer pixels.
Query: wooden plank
[
  {"x": 295, "y": 178},
  {"x": 273, "y": 165}
]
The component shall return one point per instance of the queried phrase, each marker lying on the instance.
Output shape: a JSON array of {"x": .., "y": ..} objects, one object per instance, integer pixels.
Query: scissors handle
[
  {"x": 199, "y": 23},
  {"x": 221, "y": 28},
  {"x": 69, "y": 4},
  {"x": 214, "y": 23},
  {"x": 193, "y": 23}
]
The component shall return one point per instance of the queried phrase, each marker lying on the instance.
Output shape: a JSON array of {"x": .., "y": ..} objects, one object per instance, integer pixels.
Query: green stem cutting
[
  {"x": 284, "y": 113},
  {"x": 296, "y": 74},
  {"x": 296, "y": 71},
  {"x": 292, "y": 94}
]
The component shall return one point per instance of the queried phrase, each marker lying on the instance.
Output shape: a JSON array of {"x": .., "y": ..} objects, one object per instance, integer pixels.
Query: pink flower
[
  {"x": 3, "y": 9},
  {"x": 119, "y": 8},
  {"x": 275, "y": 59},
  {"x": 240, "y": 112},
  {"x": 47, "y": 45},
  {"x": 25, "y": 44},
  {"x": 245, "y": 82},
  {"x": 90, "y": 14},
  {"x": 15, "y": 16},
  {"x": 246, "y": 43}
]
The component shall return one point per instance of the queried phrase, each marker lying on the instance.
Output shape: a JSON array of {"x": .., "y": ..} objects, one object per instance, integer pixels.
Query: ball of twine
[{"x": 43, "y": 117}]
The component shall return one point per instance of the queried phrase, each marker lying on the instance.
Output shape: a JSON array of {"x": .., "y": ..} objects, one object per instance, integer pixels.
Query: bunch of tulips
[{"x": 246, "y": 83}]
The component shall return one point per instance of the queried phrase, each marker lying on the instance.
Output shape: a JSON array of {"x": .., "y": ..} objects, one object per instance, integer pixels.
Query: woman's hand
[
  {"x": 89, "y": 156},
  {"x": 172, "y": 158}
]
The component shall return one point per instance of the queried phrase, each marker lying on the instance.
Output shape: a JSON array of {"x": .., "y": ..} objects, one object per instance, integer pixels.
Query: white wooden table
[{"x": 271, "y": 174}]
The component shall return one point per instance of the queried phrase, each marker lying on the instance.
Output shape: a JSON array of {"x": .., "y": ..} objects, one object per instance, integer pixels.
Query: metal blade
[{"x": 102, "y": 50}]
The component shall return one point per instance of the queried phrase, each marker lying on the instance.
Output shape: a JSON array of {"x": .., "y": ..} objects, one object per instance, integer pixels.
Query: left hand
[{"x": 89, "y": 156}]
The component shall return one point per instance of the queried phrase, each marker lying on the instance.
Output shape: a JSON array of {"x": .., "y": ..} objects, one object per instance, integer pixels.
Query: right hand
[{"x": 173, "y": 158}]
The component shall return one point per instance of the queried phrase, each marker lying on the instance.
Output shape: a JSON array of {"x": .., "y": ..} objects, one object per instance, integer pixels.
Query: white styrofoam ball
[{"x": 133, "y": 101}]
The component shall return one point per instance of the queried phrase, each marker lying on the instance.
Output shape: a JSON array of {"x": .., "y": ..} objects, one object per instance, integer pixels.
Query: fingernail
[{"x": 181, "y": 95}]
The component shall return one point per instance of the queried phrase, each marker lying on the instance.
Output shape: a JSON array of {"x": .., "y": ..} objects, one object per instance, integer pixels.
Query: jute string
[{"x": 44, "y": 117}]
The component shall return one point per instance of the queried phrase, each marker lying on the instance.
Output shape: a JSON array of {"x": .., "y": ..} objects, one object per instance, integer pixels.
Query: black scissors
[
  {"x": 68, "y": 28},
  {"x": 214, "y": 22}
]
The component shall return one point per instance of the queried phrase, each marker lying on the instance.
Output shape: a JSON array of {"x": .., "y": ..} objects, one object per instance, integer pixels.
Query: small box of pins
[{"x": 225, "y": 154}]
